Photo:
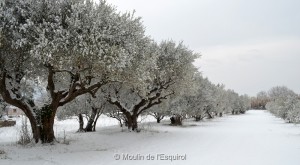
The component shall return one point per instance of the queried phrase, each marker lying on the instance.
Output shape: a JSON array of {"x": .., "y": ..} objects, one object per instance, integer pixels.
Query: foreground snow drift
[{"x": 254, "y": 138}]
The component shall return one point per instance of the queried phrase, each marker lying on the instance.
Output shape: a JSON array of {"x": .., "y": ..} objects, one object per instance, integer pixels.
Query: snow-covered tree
[
  {"x": 233, "y": 102},
  {"x": 221, "y": 100},
  {"x": 179, "y": 108},
  {"x": 292, "y": 105},
  {"x": 201, "y": 103},
  {"x": 75, "y": 47},
  {"x": 208, "y": 97},
  {"x": 168, "y": 72},
  {"x": 284, "y": 103},
  {"x": 244, "y": 103},
  {"x": 293, "y": 114}
]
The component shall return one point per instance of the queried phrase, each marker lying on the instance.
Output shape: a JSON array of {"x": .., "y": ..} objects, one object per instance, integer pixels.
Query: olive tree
[
  {"x": 284, "y": 103},
  {"x": 167, "y": 73},
  {"x": 74, "y": 47}
]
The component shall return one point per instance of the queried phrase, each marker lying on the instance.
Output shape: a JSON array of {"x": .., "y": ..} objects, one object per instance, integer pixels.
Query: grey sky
[{"x": 248, "y": 45}]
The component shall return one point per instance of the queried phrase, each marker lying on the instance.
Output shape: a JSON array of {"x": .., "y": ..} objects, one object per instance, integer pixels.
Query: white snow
[{"x": 256, "y": 138}]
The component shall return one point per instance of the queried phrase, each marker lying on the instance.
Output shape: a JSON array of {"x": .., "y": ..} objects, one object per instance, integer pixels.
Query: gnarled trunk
[
  {"x": 158, "y": 119},
  {"x": 198, "y": 117},
  {"x": 45, "y": 123},
  {"x": 132, "y": 123},
  {"x": 209, "y": 116},
  {"x": 176, "y": 120},
  {"x": 95, "y": 121},
  {"x": 94, "y": 125},
  {"x": 81, "y": 123},
  {"x": 90, "y": 124},
  {"x": 221, "y": 114},
  {"x": 46, "y": 131}
]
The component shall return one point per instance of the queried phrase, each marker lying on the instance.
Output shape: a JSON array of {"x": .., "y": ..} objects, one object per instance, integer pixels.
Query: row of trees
[
  {"x": 204, "y": 100},
  {"x": 284, "y": 103},
  {"x": 281, "y": 101},
  {"x": 59, "y": 55}
]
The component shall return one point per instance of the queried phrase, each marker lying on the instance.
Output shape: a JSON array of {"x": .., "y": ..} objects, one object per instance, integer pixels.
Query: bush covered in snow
[{"x": 284, "y": 103}]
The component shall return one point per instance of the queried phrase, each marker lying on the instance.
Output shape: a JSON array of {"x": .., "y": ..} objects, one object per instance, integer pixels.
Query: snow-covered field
[{"x": 254, "y": 138}]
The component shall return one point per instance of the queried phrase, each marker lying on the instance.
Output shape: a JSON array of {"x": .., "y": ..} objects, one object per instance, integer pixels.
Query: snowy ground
[{"x": 256, "y": 138}]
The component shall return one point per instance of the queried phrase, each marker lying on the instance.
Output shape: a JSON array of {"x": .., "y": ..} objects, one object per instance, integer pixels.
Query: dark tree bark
[
  {"x": 242, "y": 111},
  {"x": 47, "y": 121},
  {"x": 176, "y": 120},
  {"x": 221, "y": 114},
  {"x": 159, "y": 119},
  {"x": 209, "y": 116},
  {"x": 95, "y": 122},
  {"x": 81, "y": 123},
  {"x": 134, "y": 122},
  {"x": 198, "y": 117},
  {"x": 131, "y": 121},
  {"x": 91, "y": 125},
  {"x": 157, "y": 116}
]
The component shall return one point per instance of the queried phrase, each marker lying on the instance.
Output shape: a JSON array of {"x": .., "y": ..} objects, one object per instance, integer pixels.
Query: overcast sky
[{"x": 248, "y": 45}]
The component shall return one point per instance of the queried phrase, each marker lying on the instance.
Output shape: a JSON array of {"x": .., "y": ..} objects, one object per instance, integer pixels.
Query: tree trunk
[
  {"x": 209, "y": 115},
  {"x": 176, "y": 120},
  {"x": 157, "y": 116},
  {"x": 132, "y": 121},
  {"x": 94, "y": 126},
  {"x": 45, "y": 129},
  {"x": 89, "y": 126},
  {"x": 81, "y": 123},
  {"x": 158, "y": 120},
  {"x": 95, "y": 122},
  {"x": 221, "y": 114},
  {"x": 198, "y": 117}
]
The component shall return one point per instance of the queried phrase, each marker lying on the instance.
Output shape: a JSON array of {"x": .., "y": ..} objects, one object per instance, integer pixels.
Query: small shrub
[{"x": 25, "y": 134}]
